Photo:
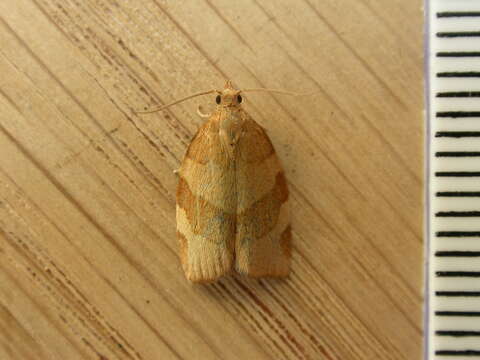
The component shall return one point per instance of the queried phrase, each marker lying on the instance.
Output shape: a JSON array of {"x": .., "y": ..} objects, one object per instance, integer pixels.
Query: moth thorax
[{"x": 232, "y": 121}]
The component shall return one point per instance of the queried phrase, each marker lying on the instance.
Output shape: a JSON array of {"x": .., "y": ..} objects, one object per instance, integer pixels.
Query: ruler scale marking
[{"x": 453, "y": 180}]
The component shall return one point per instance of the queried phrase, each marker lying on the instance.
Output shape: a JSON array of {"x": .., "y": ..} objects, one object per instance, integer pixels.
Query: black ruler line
[
  {"x": 458, "y": 214},
  {"x": 457, "y": 273},
  {"x": 457, "y": 134},
  {"x": 458, "y": 313},
  {"x": 457, "y": 114},
  {"x": 455, "y": 253},
  {"x": 458, "y": 94},
  {"x": 457, "y": 333},
  {"x": 457, "y": 153},
  {"x": 458, "y": 352},
  {"x": 459, "y": 74},
  {"x": 456, "y": 34},
  {"x": 458, "y": 233},
  {"x": 458, "y": 194},
  {"x": 458, "y": 293},
  {"x": 457, "y": 173},
  {"x": 458, "y": 54},
  {"x": 450, "y": 14}
]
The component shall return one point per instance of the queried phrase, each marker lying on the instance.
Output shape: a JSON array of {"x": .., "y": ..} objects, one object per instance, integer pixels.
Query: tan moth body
[
  {"x": 232, "y": 199},
  {"x": 232, "y": 196}
]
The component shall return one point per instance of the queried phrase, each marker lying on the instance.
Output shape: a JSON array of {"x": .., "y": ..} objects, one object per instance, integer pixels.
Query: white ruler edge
[{"x": 452, "y": 312}]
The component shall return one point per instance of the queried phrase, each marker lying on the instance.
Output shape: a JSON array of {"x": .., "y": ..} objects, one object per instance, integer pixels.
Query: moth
[{"x": 232, "y": 196}]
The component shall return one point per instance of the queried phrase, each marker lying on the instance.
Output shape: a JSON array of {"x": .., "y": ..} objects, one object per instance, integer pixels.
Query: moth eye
[
  {"x": 218, "y": 99},
  {"x": 239, "y": 98}
]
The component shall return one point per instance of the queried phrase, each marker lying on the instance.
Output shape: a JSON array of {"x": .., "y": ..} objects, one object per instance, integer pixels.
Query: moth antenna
[
  {"x": 278, "y": 91},
  {"x": 160, "y": 108}
]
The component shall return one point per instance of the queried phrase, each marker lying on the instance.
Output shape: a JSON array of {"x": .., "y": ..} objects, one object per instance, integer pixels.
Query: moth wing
[
  {"x": 206, "y": 207},
  {"x": 263, "y": 234}
]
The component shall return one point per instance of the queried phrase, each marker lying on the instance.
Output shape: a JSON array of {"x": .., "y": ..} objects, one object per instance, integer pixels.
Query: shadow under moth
[{"x": 232, "y": 196}]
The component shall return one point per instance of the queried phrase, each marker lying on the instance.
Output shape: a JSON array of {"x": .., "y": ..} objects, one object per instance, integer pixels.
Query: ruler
[{"x": 453, "y": 180}]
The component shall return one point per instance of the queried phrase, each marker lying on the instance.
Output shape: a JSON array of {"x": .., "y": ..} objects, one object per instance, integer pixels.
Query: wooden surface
[{"x": 88, "y": 254}]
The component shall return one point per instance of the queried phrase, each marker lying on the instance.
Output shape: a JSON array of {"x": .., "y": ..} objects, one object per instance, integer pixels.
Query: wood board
[{"x": 88, "y": 254}]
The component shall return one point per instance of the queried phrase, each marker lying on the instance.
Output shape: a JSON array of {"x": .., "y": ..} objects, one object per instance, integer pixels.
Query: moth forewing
[
  {"x": 206, "y": 206},
  {"x": 263, "y": 235}
]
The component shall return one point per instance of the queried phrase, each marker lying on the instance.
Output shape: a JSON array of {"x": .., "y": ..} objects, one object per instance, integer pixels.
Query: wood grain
[{"x": 88, "y": 253}]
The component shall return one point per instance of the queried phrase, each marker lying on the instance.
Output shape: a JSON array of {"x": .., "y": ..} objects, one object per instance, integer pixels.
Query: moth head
[{"x": 229, "y": 96}]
